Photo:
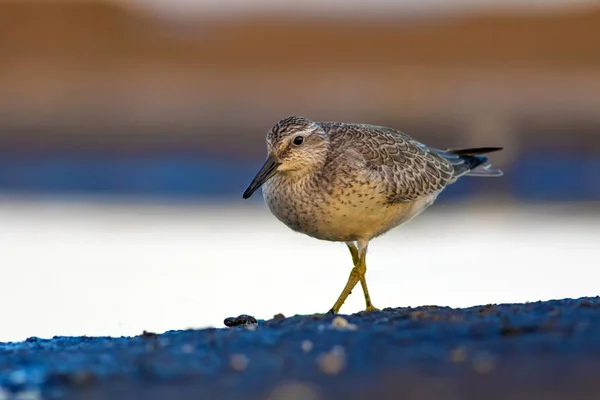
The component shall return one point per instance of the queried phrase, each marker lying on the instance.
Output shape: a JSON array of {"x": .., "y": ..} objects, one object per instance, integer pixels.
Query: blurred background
[{"x": 130, "y": 128}]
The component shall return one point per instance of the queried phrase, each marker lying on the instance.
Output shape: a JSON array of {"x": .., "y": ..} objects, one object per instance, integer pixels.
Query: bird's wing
[{"x": 407, "y": 169}]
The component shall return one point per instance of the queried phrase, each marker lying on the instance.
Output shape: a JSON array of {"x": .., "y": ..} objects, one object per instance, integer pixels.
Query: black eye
[{"x": 298, "y": 140}]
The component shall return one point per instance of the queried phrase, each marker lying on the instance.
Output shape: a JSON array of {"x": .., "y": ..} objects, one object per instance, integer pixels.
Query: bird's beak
[{"x": 268, "y": 169}]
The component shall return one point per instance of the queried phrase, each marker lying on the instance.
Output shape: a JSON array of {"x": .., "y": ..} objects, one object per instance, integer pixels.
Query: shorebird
[{"x": 350, "y": 183}]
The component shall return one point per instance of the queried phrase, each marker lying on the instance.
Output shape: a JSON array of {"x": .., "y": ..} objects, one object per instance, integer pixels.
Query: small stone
[
  {"x": 483, "y": 362},
  {"x": 585, "y": 304},
  {"x": 487, "y": 309},
  {"x": 294, "y": 391},
  {"x": 279, "y": 316},
  {"x": 240, "y": 320},
  {"x": 77, "y": 378},
  {"x": 341, "y": 323},
  {"x": 306, "y": 346},
  {"x": 238, "y": 362},
  {"x": 458, "y": 355},
  {"x": 417, "y": 314},
  {"x": 147, "y": 334},
  {"x": 332, "y": 362},
  {"x": 81, "y": 377}
]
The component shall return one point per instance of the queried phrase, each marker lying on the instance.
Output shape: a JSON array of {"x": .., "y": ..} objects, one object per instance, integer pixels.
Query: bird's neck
[{"x": 299, "y": 178}]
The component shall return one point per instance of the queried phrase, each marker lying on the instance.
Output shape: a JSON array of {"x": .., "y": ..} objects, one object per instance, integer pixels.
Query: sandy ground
[{"x": 546, "y": 350}]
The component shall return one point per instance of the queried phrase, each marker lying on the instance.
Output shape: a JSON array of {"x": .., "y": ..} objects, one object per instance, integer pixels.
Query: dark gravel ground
[{"x": 544, "y": 350}]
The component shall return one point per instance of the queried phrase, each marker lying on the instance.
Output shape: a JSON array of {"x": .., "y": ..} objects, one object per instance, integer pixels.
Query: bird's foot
[{"x": 371, "y": 308}]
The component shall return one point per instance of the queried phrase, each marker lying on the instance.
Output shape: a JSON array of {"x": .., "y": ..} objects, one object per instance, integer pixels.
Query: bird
[{"x": 351, "y": 182}]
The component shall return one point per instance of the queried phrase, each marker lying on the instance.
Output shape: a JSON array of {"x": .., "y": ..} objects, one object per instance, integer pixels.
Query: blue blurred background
[
  {"x": 152, "y": 114},
  {"x": 172, "y": 99}
]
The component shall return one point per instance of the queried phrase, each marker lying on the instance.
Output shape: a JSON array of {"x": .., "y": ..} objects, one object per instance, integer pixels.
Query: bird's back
[{"x": 407, "y": 169}]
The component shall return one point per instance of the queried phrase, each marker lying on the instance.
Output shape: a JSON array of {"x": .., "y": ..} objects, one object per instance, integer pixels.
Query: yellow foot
[{"x": 371, "y": 308}]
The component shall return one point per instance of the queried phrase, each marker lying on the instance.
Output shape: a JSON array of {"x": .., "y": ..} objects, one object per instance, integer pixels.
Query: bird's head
[{"x": 296, "y": 146}]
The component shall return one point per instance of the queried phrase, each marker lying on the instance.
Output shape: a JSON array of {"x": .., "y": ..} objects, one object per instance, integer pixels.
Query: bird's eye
[{"x": 298, "y": 140}]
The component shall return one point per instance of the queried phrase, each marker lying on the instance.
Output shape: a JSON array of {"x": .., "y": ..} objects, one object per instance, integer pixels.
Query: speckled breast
[
  {"x": 335, "y": 213},
  {"x": 292, "y": 205}
]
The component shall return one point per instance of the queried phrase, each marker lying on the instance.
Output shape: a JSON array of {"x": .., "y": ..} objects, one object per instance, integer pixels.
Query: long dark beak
[{"x": 268, "y": 169}]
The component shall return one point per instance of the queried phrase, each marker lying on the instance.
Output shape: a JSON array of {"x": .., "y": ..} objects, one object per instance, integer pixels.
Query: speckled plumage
[
  {"x": 373, "y": 178},
  {"x": 352, "y": 182}
]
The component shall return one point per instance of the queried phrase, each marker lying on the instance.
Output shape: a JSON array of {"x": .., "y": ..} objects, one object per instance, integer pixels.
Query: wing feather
[{"x": 406, "y": 168}]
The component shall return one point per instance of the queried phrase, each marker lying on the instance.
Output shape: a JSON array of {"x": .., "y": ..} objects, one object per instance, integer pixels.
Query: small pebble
[
  {"x": 341, "y": 323},
  {"x": 306, "y": 346},
  {"x": 294, "y": 391},
  {"x": 483, "y": 362},
  {"x": 332, "y": 362},
  {"x": 81, "y": 378},
  {"x": 77, "y": 378},
  {"x": 488, "y": 309},
  {"x": 417, "y": 314},
  {"x": 240, "y": 320},
  {"x": 458, "y": 355},
  {"x": 238, "y": 362},
  {"x": 279, "y": 316}
]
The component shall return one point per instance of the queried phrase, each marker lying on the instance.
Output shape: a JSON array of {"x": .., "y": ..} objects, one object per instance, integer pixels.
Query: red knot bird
[{"x": 350, "y": 183}]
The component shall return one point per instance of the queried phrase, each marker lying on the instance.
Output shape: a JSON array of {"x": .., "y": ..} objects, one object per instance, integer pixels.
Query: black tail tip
[{"x": 475, "y": 151}]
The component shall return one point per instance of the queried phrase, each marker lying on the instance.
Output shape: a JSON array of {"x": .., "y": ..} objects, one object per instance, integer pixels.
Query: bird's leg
[
  {"x": 362, "y": 269},
  {"x": 352, "y": 280},
  {"x": 357, "y": 274},
  {"x": 354, "y": 251}
]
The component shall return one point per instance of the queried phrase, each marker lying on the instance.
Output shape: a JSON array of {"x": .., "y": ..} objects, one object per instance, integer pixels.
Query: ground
[{"x": 547, "y": 350}]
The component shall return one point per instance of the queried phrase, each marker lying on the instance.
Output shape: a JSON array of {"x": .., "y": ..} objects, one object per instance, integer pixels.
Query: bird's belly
[
  {"x": 364, "y": 219},
  {"x": 346, "y": 218},
  {"x": 348, "y": 222}
]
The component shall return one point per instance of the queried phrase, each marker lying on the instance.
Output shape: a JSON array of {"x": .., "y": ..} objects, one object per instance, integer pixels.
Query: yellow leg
[
  {"x": 354, "y": 251},
  {"x": 363, "y": 283},
  {"x": 362, "y": 261},
  {"x": 357, "y": 274},
  {"x": 352, "y": 281}
]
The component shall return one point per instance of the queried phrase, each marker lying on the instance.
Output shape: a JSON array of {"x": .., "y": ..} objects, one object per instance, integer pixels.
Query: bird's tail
[{"x": 476, "y": 162}]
